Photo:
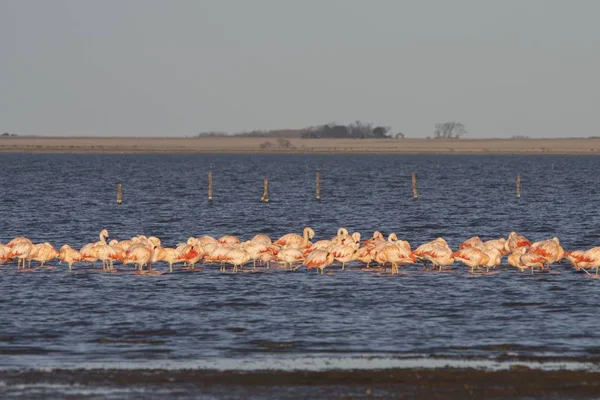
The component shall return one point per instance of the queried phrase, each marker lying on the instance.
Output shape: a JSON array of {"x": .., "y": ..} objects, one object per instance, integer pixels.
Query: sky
[{"x": 181, "y": 67}]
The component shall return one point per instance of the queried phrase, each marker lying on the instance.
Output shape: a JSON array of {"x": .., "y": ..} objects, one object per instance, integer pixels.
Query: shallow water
[{"x": 52, "y": 318}]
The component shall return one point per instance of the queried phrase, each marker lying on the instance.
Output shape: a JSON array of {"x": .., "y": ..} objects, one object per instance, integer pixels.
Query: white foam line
[{"x": 323, "y": 364}]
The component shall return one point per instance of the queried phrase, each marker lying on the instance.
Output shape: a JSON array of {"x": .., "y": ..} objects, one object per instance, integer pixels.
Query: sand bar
[
  {"x": 517, "y": 383},
  {"x": 124, "y": 145}
]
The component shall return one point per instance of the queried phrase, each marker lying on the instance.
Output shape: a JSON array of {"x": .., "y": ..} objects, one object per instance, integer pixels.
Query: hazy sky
[{"x": 176, "y": 68}]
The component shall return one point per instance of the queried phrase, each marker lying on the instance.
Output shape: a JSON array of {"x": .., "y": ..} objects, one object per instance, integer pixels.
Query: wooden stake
[
  {"x": 210, "y": 187},
  {"x": 414, "y": 186},
  {"x": 318, "y": 185},
  {"x": 119, "y": 193},
  {"x": 518, "y": 186},
  {"x": 265, "y": 196}
]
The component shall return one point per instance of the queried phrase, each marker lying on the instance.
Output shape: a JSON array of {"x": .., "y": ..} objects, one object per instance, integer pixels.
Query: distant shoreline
[{"x": 264, "y": 145}]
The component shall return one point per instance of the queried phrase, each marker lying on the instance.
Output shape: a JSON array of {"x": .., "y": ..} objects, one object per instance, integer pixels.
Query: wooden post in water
[
  {"x": 318, "y": 185},
  {"x": 518, "y": 186},
  {"x": 414, "y": 186},
  {"x": 265, "y": 196},
  {"x": 119, "y": 193},
  {"x": 210, "y": 187}
]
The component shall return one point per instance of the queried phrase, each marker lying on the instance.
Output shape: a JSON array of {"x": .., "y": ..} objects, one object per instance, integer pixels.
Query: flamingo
[
  {"x": 192, "y": 253},
  {"x": 139, "y": 254},
  {"x": 475, "y": 241},
  {"x": 119, "y": 248},
  {"x": 237, "y": 257},
  {"x": 375, "y": 239},
  {"x": 578, "y": 259},
  {"x": 364, "y": 255},
  {"x": 4, "y": 250},
  {"x": 393, "y": 238},
  {"x": 206, "y": 240},
  {"x": 439, "y": 257},
  {"x": 18, "y": 240},
  {"x": 342, "y": 234},
  {"x": 229, "y": 239},
  {"x": 495, "y": 258},
  {"x": 106, "y": 254},
  {"x": 21, "y": 250},
  {"x": 69, "y": 255},
  {"x": 471, "y": 257},
  {"x": 549, "y": 249},
  {"x": 269, "y": 255},
  {"x": 89, "y": 253},
  {"x": 255, "y": 249},
  {"x": 170, "y": 256},
  {"x": 103, "y": 236},
  {"x": 318, "y": 259},
  {"x": 43, "y": 252},
  {"x": 515, "y": 241},
  {"x": 532, "y": 260},
  {"x": 261, "y": 238},
  {"x": 289, "y": 256},
  {"x": 590, "y": 259},
  {"x": 296, "y": 241},
  {"x": 437, "y": 249},
  {"x": 320, "y": 245},
  {"x": 496, "y": 244},
  {"x": 217, "y": 253},
  {"x": 345, "y": 253},
  {"x": 514, "y": 259},
  {"x": 395, "y": 255}
]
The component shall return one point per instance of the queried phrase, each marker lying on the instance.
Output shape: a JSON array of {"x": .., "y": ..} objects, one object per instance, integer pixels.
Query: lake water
[{"x": 279, "y": 319}]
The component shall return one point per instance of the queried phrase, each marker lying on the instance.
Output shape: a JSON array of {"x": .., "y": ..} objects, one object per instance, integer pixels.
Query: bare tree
[
  {"x": 284, "y": 143},
  {"x": 360, "y": 129},
  {"x": 449, "y": 130}
]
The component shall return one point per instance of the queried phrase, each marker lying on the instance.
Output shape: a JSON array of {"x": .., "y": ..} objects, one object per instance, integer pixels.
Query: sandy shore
[
  {"x": 447, "y": 383},
  {"x": 301, "y": 146}
]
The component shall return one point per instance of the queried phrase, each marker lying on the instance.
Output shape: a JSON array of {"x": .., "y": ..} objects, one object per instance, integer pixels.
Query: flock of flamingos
[{"x": 293, "y": 251}]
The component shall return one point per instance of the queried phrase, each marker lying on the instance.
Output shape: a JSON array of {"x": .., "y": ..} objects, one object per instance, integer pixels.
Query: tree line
[{"x": 354, "y": 130}]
